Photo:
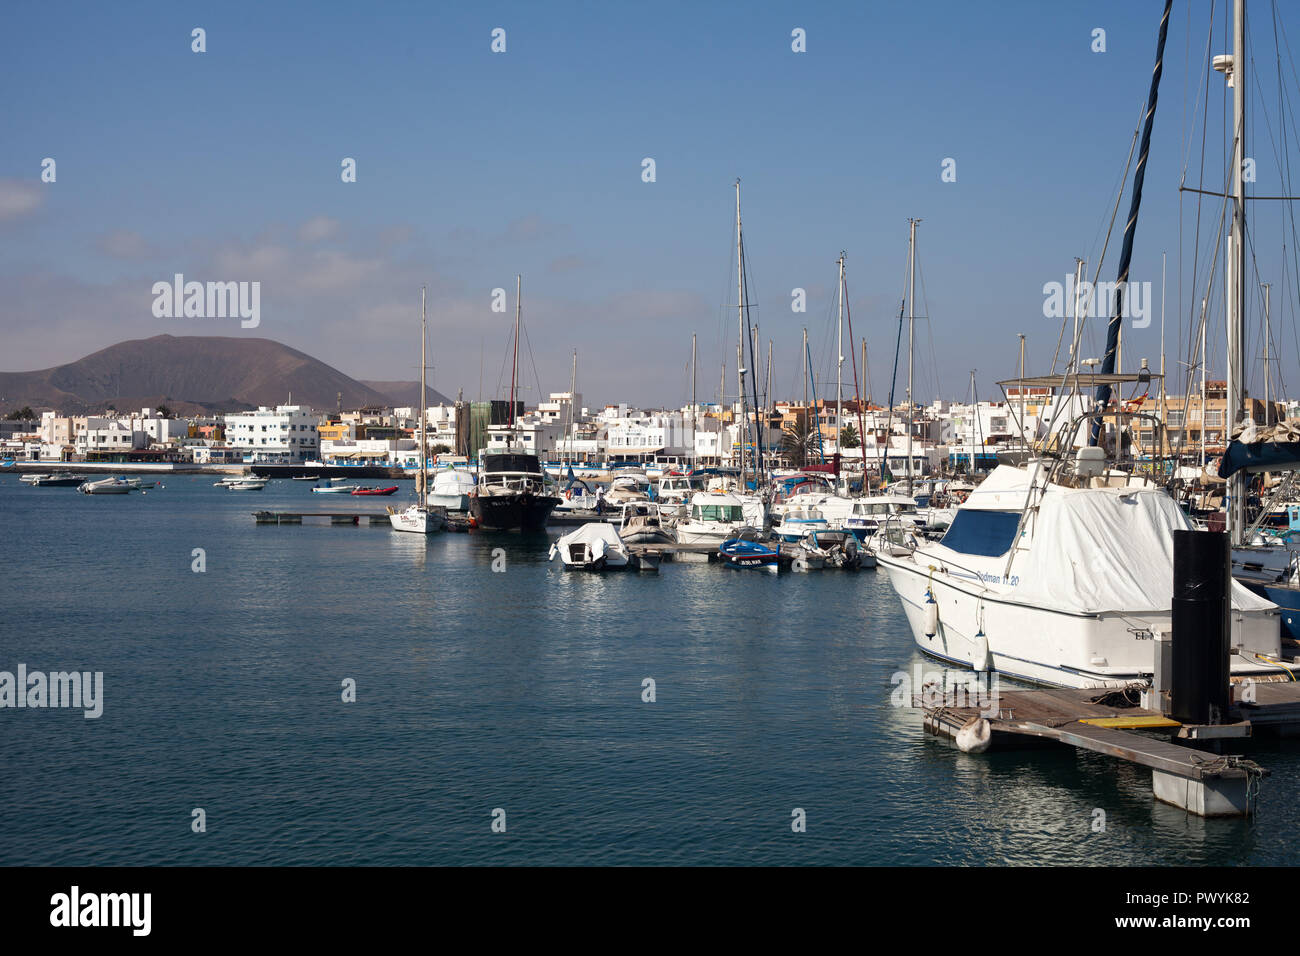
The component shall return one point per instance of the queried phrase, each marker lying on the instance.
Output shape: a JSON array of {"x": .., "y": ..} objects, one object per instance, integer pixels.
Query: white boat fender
[
  {"x": 982, "y": 659},
  {"x": 931, "y": 614},
  {"x": 975, "y": 736},
  {"x": 549, "y": 557}
]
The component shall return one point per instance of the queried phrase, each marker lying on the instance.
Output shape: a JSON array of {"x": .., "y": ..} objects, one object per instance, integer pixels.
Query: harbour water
[{"x": 518, "y": 689}]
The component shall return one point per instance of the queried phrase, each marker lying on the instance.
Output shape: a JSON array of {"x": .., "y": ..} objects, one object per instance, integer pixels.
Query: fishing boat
[
  {"x": 513, "y": 492},
  {"x": 420, "y": 517},
  {"x": 595, "y": 546},
  {"x": 375, "y": 491},
  {"x": 746, "y": 554},
  {"x": 106, "y": 486}
]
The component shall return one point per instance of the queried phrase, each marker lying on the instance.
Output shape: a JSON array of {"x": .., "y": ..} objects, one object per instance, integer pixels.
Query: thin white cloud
[
  {"x": 18, "y": 198},
  {"x": 124, "y": 244},
  {"x": 319, "y": 228}
]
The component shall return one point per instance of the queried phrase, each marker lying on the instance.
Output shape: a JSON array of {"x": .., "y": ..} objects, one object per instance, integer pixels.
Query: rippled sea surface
[{"x": 519, "y": 690}]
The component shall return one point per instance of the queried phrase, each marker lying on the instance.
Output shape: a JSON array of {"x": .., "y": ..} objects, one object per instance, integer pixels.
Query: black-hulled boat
[{"x": 511, "y": 494}]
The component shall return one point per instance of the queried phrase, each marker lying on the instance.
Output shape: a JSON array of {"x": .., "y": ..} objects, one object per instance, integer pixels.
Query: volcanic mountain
[{"x": 194, "y": 374}]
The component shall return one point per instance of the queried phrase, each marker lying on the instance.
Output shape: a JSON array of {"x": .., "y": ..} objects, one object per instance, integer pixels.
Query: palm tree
[
  {"x": 849, "y": 436},
  {"x": 798, "y": 440}
]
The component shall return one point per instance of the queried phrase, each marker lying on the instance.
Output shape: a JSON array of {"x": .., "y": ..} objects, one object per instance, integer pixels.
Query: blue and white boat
[{"x": 748, "y": 555}]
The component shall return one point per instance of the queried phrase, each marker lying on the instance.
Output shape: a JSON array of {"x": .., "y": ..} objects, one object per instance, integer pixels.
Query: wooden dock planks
[{"x": 1058, "y": 715}]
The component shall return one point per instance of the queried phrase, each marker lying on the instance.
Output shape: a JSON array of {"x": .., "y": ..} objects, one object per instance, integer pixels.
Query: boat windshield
[
  {"x": 717, "y": 513},
  {"x": 986, "y": 533}
]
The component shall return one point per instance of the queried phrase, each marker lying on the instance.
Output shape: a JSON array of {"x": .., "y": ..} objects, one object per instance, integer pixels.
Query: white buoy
[
  {"x": 975, "y": 736},
  {"x": 982, "y": 659}
]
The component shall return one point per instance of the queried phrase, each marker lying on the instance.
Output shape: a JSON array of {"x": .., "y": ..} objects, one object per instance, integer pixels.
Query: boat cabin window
[
  {"x": 526, "y": 463},
  {"x": 987, "y": 533}
]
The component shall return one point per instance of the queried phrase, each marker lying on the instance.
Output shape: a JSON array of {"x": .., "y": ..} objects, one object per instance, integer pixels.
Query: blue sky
[{"x": 474, "y": 166}]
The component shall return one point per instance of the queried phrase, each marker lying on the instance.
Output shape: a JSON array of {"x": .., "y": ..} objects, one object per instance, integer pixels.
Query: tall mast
[
  {"x": 694, "y": 404},
  {"x": 911, "y": 337},
  {"x": 573, "y": 387},
  {"x": 740, "y": 345},
  {"x": 839, "y": 361},
  {"x": 1204, "y": 366},
  {"x": 1073, "y": 366},
  {"x": 1268, "y": 369},
  {"x": 1162, "y": 359},
  {"x": 805, "y": 367},
  {"x": 974, "y": 419},
  {"x": 1103, "y": 392},
  {"x": 862, "y": 413},
  {"x": 422, "y": 492},
  {"x": 866, "y": 372},
  {"x": 514, "y": 368},
  {"x": 767, "y": 389},
  {"x": 1237, "y": 303}
]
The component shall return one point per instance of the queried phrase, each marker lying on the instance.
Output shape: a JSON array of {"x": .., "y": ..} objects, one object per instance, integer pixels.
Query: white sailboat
[{"x": 420, "y": 517}]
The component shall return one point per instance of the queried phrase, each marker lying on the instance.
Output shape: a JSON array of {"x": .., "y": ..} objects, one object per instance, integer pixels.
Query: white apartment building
[
  {"x": 93, "y": 434},
  {"x": 160, "y": 430},
  {"x": 285, "y": 434},
  {"x": 640, "y": 434}
]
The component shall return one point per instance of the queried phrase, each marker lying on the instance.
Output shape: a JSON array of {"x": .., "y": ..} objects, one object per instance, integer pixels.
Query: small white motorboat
[
  {"x": 595, "y": 546},
  {"x": 248, "y": 484},
  {"x": 242, "y": 483},
  {"x": 333, "y": 488},
  {"x": 418, "y": 520},
  {"x": 105, "y": 486}
]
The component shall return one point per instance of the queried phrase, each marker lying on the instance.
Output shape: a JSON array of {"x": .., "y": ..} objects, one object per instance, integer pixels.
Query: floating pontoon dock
[
  {"x": 372, "y": 518},
  {"x": 1110, "y": 722}
]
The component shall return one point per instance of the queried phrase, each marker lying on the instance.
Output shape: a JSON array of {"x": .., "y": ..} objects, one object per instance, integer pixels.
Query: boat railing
[{"x": 1067, "y": 467}]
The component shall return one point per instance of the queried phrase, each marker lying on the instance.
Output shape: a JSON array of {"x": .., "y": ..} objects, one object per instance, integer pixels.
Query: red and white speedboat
[{"x": 375, "y": 491}]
